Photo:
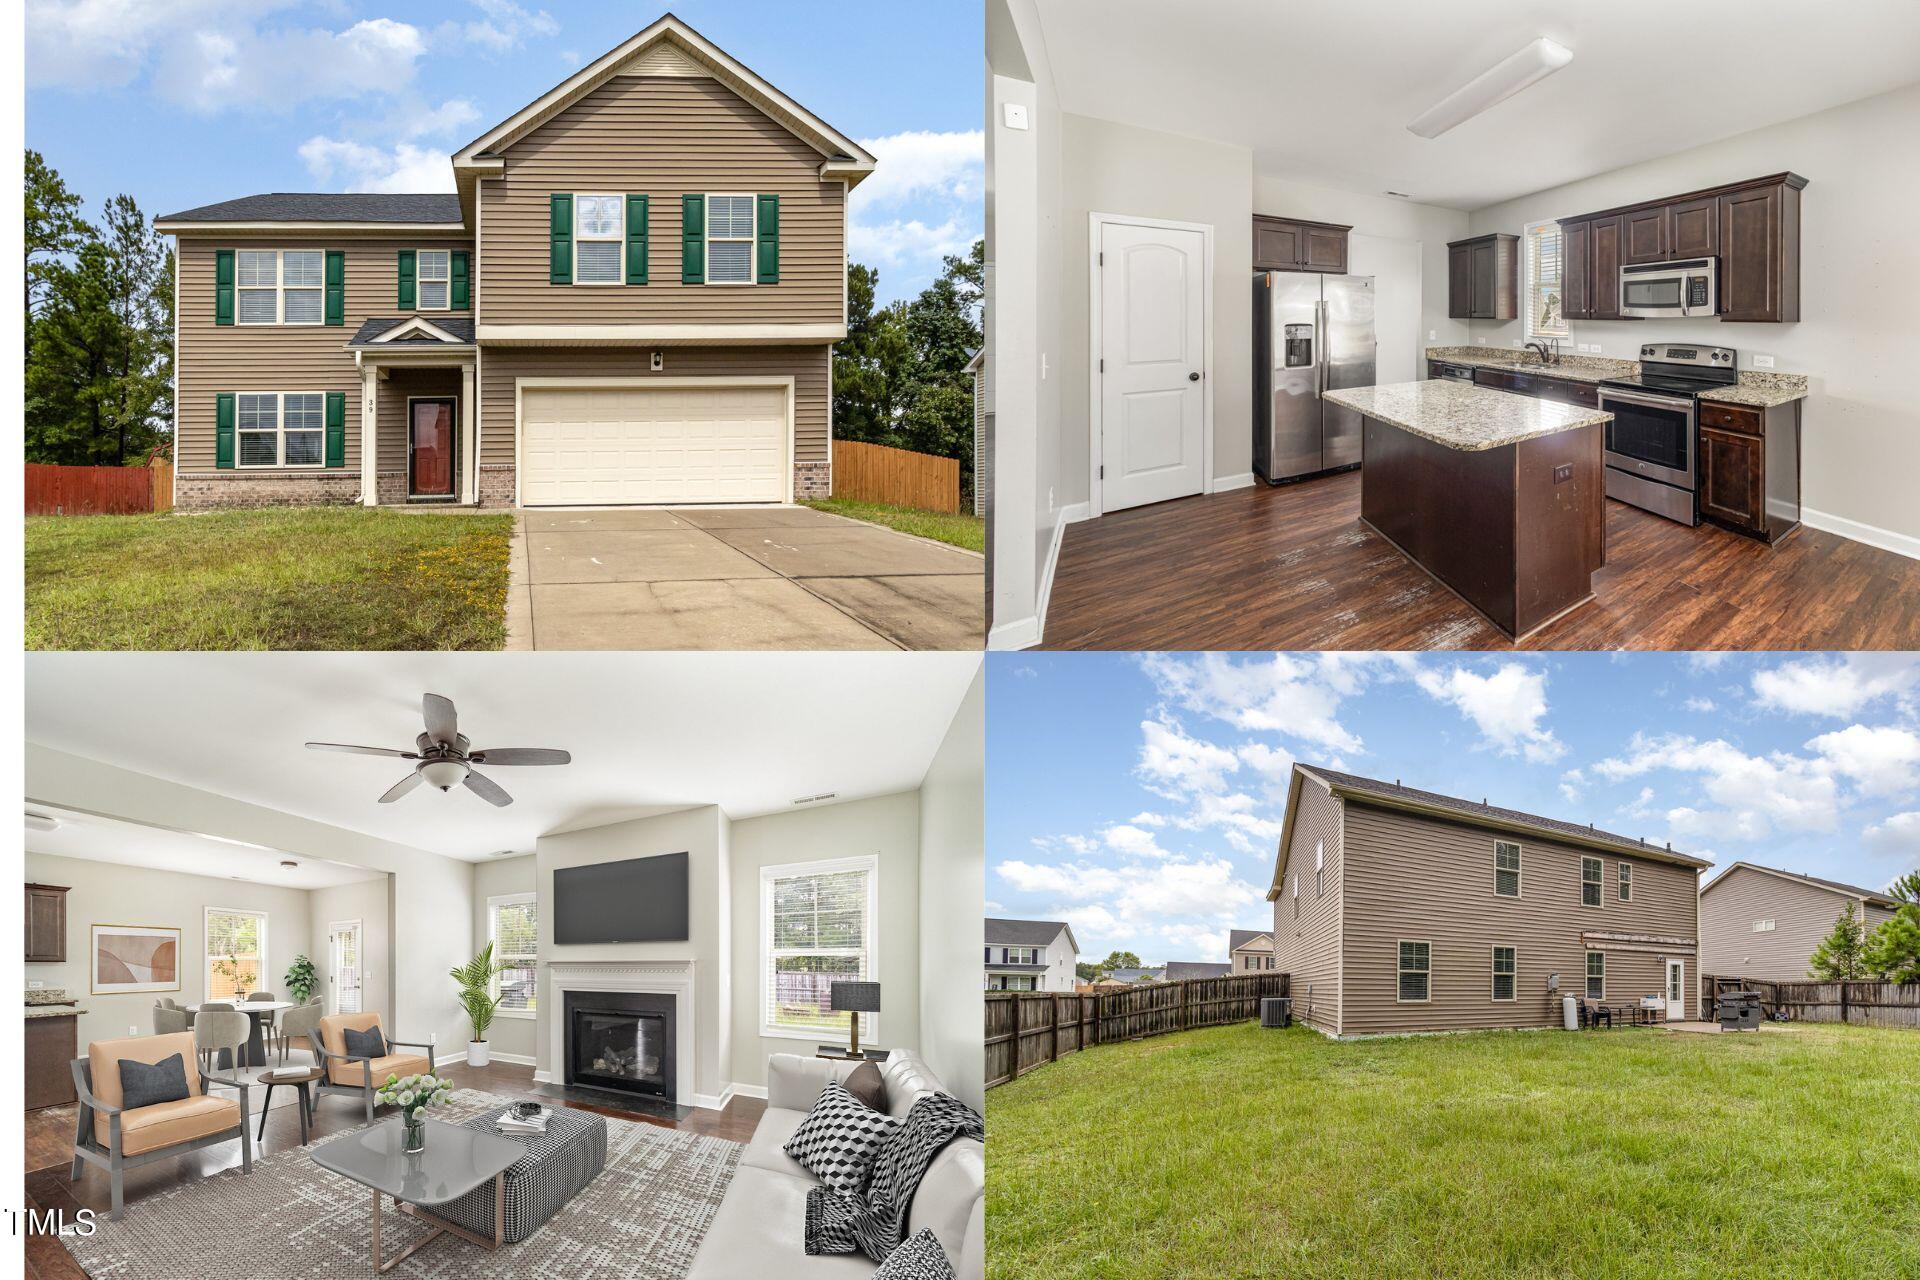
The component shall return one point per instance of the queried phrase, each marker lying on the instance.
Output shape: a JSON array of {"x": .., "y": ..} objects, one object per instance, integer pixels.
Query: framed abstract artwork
[{"x": 134, "y": 958}]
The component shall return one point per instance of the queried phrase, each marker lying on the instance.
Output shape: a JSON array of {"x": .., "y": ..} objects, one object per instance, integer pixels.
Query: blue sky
[
  {"x": 185, "y": 102},
  {"x": 1139, "y": 797}
]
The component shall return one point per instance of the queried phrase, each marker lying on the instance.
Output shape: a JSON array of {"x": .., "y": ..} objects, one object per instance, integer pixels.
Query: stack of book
[{"x": 535, "y": 1123}]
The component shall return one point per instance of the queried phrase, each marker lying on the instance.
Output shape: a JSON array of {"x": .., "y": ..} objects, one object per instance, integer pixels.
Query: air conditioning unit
[{"x": 1276, "y": 1011}]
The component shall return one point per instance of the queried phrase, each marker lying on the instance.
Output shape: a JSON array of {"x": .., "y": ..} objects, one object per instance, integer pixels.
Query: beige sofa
[{"x": 760, "y": 1229}]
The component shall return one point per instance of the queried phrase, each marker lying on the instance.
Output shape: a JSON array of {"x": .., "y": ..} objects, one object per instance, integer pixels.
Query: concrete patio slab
[
  {"x": 916, "y": 611},
  {"x": 635, "y": 555},
  {"x": 752, "y": 613},
  {"x": 577, "y": 521}
]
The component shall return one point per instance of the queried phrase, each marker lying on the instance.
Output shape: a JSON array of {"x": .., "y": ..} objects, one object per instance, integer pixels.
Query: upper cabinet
[
  {"x": 1752, "y": 227},
  {"x": 1290, "y": 244},
  {"x": 46, "y": 924},
  {"x": 1483, "y": 278}
]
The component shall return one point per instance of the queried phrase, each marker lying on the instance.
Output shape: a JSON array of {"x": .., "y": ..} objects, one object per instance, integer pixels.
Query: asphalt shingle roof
[
  {"x": 1023, "y": 933},
  {"x": 461, "y": 327},
  {"x": 1871, "y": 895},
  {"x": 320, "y": 206},
  {"x": 1238, "y": 938}
]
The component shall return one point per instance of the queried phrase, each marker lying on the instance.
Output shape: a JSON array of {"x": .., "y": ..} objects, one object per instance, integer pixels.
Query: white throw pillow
[{"x": 837, "y": 1140}]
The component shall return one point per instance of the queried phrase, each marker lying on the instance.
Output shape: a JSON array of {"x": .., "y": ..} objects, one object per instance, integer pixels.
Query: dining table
[{"x": 258, "y": 1012}]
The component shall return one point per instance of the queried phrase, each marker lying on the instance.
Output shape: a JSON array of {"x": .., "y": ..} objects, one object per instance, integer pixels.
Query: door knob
[{"x": 1193, "y": 377}]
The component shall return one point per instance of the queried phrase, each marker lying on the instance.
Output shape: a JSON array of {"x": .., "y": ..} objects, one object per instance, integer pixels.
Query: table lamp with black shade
[{"x": 854, "y": 998}]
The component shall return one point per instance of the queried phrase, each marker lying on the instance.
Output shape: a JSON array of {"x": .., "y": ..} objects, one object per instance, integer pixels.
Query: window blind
[
  {"x": 1546, "y": 266},
  {"x": 236, "y": 952},
  {"x": 818, "y": 929},
  {"x": 514, "y": 929}
]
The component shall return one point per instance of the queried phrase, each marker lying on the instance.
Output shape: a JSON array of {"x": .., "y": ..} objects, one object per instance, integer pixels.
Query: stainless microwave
[{"x": 1657, "y": 290}]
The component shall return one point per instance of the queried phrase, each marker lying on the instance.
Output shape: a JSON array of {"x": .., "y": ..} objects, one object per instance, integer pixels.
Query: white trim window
[
  {"x": 599, "y": 239},
  {"x": 1021, "y": 955},
  {"x": 1320, "y": 869},
  {"x": 236, "y": 952},
  {"x": 280, "y": 429},
  {"x": 1296, "y": 895},
  {"x": 1763, "y": 926},
  {"x": 1545, "y": 281},
  {"x": 1626, "y": 882},
  {"x": 1591, "y": 874},
  {"x": 1596, "y": 975},
  {"x": 513, "y": 927},
  {"x": 1506, "y": 973},
  {"x": 817, "y": 926},
  {"x": 1012, "y": 982},
  {"x": 275, "y": 286},
  {"x": 730, "y": 232},
  {"x": 1415, "y": 984},
  {"x": 433, "y": 279},
  {"x": 1506, "y": 869}
]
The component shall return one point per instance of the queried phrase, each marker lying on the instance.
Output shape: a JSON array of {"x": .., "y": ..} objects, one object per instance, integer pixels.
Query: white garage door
[{"x": 606, "y": 446}]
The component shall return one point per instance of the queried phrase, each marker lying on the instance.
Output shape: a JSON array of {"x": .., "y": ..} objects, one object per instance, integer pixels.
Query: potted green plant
[
  {"x": 413, "y": 1095},
  {"x": 476, "y": 997},
  {"x": 301, "y": 979}
]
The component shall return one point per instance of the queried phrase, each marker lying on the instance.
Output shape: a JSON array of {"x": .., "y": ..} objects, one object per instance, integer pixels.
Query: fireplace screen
[{"x": 619, "y": 1050}]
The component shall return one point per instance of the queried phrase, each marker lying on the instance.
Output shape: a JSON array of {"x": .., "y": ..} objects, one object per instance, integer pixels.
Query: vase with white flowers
[{"x": 413, "y": 1095}]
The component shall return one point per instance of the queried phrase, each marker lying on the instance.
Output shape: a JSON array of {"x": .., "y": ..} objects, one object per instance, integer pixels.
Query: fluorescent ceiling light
[
  {"x": 41, "y": 822},
  {"x": 1535, "y": 62}
]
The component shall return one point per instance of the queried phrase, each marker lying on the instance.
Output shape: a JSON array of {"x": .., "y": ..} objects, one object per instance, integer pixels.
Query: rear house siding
[
  {"x": 1802, "y": 915},
  {"x": 1308, "y": 949}
]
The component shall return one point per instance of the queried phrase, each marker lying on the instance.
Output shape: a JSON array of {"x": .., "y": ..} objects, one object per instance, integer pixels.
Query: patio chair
[
  {"x": 1592, "y": 1015},
  {"x": 361, "y": 1075}
]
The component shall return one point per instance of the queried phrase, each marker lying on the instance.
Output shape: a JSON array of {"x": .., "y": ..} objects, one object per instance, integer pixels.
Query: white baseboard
[
  {"x": 711, "y": 1103},
  {"x": 1902, "y": 544},
  {"x": 750, "y": 1091},
  {"x": 1223, "y": 484},
  {"x": 543, "y": 1077},
  {"x": 517, "y": 1059},
  {"x": 1024, "y": 633}
]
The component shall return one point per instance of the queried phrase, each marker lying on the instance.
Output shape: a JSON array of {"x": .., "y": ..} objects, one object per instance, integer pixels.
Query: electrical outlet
[
  {"x": 1563, "y": 473},
  {"x": 34, "y": 984},
  {"x": 1763, "y": 362},
  {"x": 1433, "y": 335}
]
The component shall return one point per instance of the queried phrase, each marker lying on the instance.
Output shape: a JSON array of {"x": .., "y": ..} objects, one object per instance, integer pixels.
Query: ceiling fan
[{"x": 444, "y": 760}]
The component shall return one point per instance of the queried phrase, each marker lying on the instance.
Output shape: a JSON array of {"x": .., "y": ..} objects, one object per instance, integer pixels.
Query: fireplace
[{"x": 620, "y": 1040}]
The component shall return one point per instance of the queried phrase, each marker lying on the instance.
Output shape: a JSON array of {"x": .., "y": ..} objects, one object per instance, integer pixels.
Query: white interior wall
[
  {"x": 369, "y": 902},
  {"x": 953, "y": 871},
  {"x": 511, "y": 1038}
]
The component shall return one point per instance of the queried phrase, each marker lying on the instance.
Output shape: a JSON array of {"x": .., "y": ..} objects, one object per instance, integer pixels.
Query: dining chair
[
  {"x": 299, "y": 1024},
  {"x": 267, "y": 1018},
  {"x": 169, "y": 1021},
  {"x": 219, "y": 1026}
]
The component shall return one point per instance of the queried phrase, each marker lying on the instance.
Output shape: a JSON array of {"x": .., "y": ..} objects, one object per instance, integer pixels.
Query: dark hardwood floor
[
  {"x": 49, "y": 1150},
  {"x": 1293, "y": 568}
]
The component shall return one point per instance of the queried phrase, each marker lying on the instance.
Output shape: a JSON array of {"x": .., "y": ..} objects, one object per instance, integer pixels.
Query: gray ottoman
[{"x": 558, "y": 1163}]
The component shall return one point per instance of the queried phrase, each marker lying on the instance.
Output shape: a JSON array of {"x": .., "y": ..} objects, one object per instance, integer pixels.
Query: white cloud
[
  {"x": 1882, "y": 761},
  {"x": 905, "y": 242},
  {"x": 1201, "y": 942},
  {"x": 105, "y": 44},
  {"x": 1296, "y": 696},
  {"x": 1148, "y": 820},
  {"x": 1755, "y": 793},
  {"x": 239, "y": 68},
  {"x": 922, "y": 163},
  {"x": 1700, "y": 704},
  {"x": 506, "y": 26},
  {"x": 1507, "y": 707},
  {"x": 1896, "y": 837},
  {"x": 1135, "y": 842},
  {"x": 1176, "y": 765},
  {"x": 1274, "y": 764},
  {"x": 356, "y": 166},
  {"x": 1147, "y": 895},
  {"x": 1836, "y": 686},
  {"x": 1572, "y": 783},
  {"x": 451, "y": 116}
]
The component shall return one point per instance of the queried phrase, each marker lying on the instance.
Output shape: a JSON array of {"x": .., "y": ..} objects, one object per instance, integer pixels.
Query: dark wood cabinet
[
  {"x": 1733, "y": 477},
  {"x": 1693, "y": 228},
  {"x": 1603, "y": 299},
  {"x": 1576, "y": 270},
  {"x": 51, "y": 1043},
  {"x": 1540, "y": 386},
  {"x": 1643, "y": 234},
  {"x": 1759, "y": 230},
  {"x": 1749, "y": 460},
  {"x": 1483, "y": 278},
  {"x": 46, "y": 924},
  {"x": 1290, "y": 244}
]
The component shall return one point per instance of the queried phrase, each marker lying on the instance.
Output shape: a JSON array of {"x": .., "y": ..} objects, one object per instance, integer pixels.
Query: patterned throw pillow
[
  {"x": 919, "y": 1257},
  {"x": 838, "y": 1138}
]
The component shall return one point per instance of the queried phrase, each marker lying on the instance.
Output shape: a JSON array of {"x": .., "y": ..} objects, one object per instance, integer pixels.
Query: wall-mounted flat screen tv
[{"x": 638, "y": 900}]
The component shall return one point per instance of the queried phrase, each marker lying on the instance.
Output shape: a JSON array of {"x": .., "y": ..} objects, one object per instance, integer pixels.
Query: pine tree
[
  {"x": 1838, "y": 957},
  {"x": 1893, "y": 949},
  {"x": 1906, "y": 888}
]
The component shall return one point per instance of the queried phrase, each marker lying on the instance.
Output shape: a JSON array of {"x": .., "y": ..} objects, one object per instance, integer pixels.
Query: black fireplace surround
[{"x": 620, "y": 1040}]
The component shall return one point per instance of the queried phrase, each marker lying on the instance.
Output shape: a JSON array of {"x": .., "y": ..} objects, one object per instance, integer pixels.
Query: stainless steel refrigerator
[{"x": 1311, "y": 334}]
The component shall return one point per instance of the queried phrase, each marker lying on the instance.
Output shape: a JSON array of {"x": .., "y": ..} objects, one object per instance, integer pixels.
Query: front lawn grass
[
  {"x": 305, "y": 578},
  {"x": 1236, "y": 1152},
  {"x": 968, "y": 531}
]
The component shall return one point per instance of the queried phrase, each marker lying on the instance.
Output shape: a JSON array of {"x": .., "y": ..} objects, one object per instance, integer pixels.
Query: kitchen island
[{"x": 1500, "y": 497}]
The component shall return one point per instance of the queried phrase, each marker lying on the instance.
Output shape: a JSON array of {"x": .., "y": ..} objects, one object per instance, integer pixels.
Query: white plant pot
[{"x": 477, "y": 1053}]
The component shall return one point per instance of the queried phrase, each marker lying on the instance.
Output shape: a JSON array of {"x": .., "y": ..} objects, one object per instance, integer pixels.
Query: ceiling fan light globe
[{"x": 444, "y": 774}]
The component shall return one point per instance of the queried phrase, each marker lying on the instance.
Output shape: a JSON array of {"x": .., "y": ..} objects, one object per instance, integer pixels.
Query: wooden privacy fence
[
  {"x": 1027, "y": 1029},
  {"x": 1872, "y": 1004},
  {"x": 879, "y": 473},
  {"x": 98, "y": 491}
]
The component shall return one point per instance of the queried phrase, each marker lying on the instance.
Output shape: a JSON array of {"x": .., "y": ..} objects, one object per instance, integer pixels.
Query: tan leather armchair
[
  {"x": 358, "y": 1075},
  {"x": 117, "y": 1138}
]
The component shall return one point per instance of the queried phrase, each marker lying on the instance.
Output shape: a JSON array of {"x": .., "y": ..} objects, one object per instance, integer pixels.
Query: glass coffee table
[{"x": 456, "y": 1161}]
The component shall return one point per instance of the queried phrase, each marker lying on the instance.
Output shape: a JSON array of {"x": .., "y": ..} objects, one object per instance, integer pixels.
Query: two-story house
[
  {"x": 1030, "y": 955},
  {"x": 1762, "y": 922},
  {"x": 1398, "y": 910},
  {"x": 631, "y": 296},
  {"x": 1250, "y": 951}
]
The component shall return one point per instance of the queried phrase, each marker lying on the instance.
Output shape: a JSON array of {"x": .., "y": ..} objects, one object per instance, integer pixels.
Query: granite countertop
[
  {"x": 53, "y": 1010},
  {"x": 1755, "y": 388},
  {"x": 1761, "y": 390},
  {"x": 1462, "y": 416}
]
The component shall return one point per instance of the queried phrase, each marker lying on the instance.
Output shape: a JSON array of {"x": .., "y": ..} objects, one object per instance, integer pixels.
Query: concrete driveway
[{"x": 736, "y": 578}]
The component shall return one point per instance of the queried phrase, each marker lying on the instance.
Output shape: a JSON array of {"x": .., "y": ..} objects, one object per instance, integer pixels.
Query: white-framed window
[
  {"x": 599, "y": 240},
  {"x": 1296, "y": 895},
  {"x": 1416, "y": 970},
  {"x": 1320, "y": 869},
  {"x": 1626, "y": 882},
  {"x": 1011, "y": 982},
  {"x": 730, "y": 229},
  {"x": 817, "y": 926},
  {"x": 433, "y": 279},
  {"x": 280, "y": 286},
  {"x": 1590, "y": 874},
  {"x": 1545, "y": 277},
  {"x": 1023, "y": 955},
  {"x": 1506, "y": 968},
  {"x": 513, "y": 927},
  {"x": 236, "y": 952},
  {"x": 1596, "y": 975},
  {"x": 1506, "y": 869},
  {"x": 280, "y": 429},
  {"x": 1763, "y": 926}
]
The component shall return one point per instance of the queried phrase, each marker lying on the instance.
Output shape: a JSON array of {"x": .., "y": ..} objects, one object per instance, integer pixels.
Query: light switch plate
[
  {"x": 1016, "y": 115},
  {"x": 1763, "y": 362},
  {"x": 1433, "y": 335}
]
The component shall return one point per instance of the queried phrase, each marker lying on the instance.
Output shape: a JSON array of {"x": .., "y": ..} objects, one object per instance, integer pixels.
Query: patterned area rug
[{"x": 289, "y": 1219}]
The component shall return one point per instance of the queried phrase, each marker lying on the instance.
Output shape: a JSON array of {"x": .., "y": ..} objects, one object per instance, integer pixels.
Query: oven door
[{"x": 1650, "y": 435}]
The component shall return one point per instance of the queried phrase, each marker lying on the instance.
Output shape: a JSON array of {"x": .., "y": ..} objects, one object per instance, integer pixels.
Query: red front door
[{"x": 430, "y": 443}]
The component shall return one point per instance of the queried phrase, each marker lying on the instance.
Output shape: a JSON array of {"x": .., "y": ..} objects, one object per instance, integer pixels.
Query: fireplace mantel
[{"x": 658, "y": 977}]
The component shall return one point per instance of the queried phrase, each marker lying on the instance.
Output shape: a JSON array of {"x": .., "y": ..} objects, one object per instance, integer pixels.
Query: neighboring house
[
  {"x": 1400, "y": 910},
  {"x": 1250, "y": 951},
  {"x": 982, "y": 432},
  {"x": 1761, "y": 922},
  {"x": 632, "y": 297},
  {"x": 1181, "y": 970},
  {"x": 1134, "y": 977},
  {"x": 1030, "y": 955}
]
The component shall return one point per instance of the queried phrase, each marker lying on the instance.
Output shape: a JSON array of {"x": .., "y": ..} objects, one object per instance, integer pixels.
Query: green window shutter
[
  {"x": 636, "y": 239},
  {"x": 406, "y": 280},
  {"x": 336, "y": 287},
  {"x": 223, "y": 287},
  {"x": 768, "y": 244},
  {"x": 560, "y": 237},
  {"x": 223, "y": 430},
  {"x": 693, "y": 239},
  {"x": 336, "y": 428},
  {"x": 461, "y": 298}
]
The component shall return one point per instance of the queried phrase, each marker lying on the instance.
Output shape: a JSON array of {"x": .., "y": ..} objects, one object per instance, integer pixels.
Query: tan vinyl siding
[
  {"x": 393, "y": 392},
  {"x": 1308, "y": 949},
  {"x": 1421, "y": 879},
  {"x": 214, "y": 358},
  {"x": 1802, "y": 915},
  {"x": 807, "y": 366},
  {"x": 661, "y": 137}
]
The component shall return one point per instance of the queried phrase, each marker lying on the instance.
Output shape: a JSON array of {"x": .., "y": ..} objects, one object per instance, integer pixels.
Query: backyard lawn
[
  {"x": 968, "y": 531},
  {"x": 1235, "y": 1152},
  {"x": 308, "y": 578}
]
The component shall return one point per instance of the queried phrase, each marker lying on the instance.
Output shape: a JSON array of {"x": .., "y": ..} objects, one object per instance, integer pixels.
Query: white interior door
[
  {"x": 1152, "y": 363},
  {"x": 345, "y": 977},
  {"x": 1676, "y": 990}
]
